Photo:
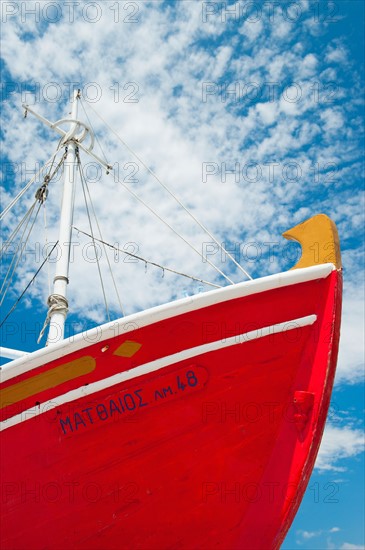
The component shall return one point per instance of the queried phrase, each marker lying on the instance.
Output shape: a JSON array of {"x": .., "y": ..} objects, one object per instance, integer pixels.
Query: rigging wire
[
  {"x": 40, "y": 196},
  {"x": 222, "y": 248},
  {"x": 48, "y": 177},
  {"x": 204, "y": 258},
  {"x": 159, "y": 217},
  {"x": 25, "y": 189},
  {"x": 18, "y": 255},
  {"x": 12, "y": 236},
  {"x": 164, "y": 268},
  {"x": 93, "y": 238},
  {"x": 95, "y": 134},
  {"x": 100, "y": 235},
  {"x": 28, "y": 285}
]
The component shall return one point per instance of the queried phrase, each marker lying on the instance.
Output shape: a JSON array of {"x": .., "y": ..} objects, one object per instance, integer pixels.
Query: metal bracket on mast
[{"x": 71, "y": 135}]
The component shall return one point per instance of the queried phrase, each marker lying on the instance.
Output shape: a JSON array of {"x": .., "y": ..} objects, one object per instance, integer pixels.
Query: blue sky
[{"x": 271, "y": 91}]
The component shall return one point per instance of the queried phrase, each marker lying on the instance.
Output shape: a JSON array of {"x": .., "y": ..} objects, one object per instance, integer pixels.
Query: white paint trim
[
  {"x": 159, "y": 313},
  {"x": 153, "y": 366}
]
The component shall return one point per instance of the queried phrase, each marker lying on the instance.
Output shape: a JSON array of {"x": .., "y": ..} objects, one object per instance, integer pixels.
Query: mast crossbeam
[{"x": 66, "y": 136}]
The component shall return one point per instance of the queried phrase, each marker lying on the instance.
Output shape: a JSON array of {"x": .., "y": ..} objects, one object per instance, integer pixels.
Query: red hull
[{"x": 211, "y": 451}]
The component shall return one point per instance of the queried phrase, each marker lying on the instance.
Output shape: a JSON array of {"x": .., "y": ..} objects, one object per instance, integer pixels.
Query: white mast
[
  {"x": 57, "y": 301},
  {"x": 72, "y": 140}
]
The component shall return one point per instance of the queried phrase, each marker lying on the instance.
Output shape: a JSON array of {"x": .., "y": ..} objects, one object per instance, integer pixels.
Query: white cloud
[
  {"x": 336, "y": 54},
  {"x": 309, "y": 65},
  {"x": 251, "y": 29},
  {"x": 349, "y": 546},
  {"x": 303, "y": 535},
  {"x": 268, "y": 112},
  {"x": 339, "y": 443},
  {"x": 289, "y": 103},
  {"x": 304, "y": 5},
  {"x": 221, "y": 61},
  {"x": 332, "y": 119},
  {"x": 276, "y": 67},
  {"x": 309, "y": 534},
  {"x": 282, "y": 28},
  {"x": 352, "y": 340}
]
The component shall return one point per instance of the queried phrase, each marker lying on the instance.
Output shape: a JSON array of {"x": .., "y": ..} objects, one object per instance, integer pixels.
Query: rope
[
  {"x": 164, "y": 268},
  {"x": 28, "y": 285},
  {"x": 101, "y": 237},
  {"x": 172, "y": 194},
  {"x": 55, "y": 302}
]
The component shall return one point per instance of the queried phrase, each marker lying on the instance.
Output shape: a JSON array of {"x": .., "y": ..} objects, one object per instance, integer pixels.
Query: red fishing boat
[{"x": 192, "y": 425}]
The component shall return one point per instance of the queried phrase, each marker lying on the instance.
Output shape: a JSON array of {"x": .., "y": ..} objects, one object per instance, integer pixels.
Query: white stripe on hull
[{"x": 156, "y": 365}]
